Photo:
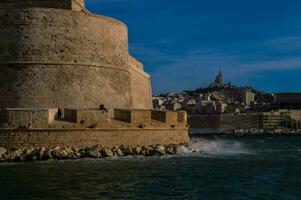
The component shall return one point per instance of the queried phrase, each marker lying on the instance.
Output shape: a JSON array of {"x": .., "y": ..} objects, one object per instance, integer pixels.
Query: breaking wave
[{"x": 215, "y": 147}]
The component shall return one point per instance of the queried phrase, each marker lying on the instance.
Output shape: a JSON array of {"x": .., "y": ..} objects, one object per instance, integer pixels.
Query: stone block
[
  {"x": 182, "y": 117},
  {"x": 134, "y": 117},
  {"x": 28, "y": 117},
  {"x": 87, "y": 116},
  {"x": 167, "y": 117}
]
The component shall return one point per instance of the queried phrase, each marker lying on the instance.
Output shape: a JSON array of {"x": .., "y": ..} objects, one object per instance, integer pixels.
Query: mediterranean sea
[{"x": 212, "y": 168}]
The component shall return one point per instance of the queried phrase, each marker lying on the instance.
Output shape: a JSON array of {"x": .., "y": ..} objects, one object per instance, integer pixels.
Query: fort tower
[{"x": 67, "y": 79}]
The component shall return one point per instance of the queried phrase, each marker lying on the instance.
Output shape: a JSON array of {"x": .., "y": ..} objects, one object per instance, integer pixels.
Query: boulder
[
  {"x": 181, "y": 149},
  {"x": 48, "y": 154},
  {"x": 160, "y": 150},
  {"x": 28, "y": 151},
  {"x": 3, "y": 151},
  {"x": 82, "y": 153},
  {"x": 15, "y": 155},
  {"x": 41, "y": 153},
  {"x": 106, "y": 152},
  {"x": 119, "y": 152},
  {"x": 60, "y": 154},
  {"x": 94, "y": 154},
  {"x": 148, "y": 150},
  {"x": 138, "y": 150},
  {"x": 170, "y": 149},
  {"x": 128, "y": 151}
]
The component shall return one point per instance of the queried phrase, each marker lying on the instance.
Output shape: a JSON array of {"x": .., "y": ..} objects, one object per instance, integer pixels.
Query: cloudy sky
[{"x": 183, "y": 43}]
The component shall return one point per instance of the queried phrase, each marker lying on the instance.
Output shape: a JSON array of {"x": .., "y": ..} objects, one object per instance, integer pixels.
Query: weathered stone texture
[
  {"x": 29, "y": 118},
  {"x": 55, "y": 54},
  {"x": 87, "y": 117},
  {"x": 62, "y": 58},
  {"x": 83, "y": 138},
  {"x": 140, "y": 86},
  {"x": 134, "y": 117}
]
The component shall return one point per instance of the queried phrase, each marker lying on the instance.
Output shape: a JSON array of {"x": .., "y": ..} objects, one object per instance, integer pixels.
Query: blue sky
[{"x": 184, "y": 43}]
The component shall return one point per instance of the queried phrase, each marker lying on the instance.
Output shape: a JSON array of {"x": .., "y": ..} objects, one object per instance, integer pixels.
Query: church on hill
[{"x": 218, "y": 82}]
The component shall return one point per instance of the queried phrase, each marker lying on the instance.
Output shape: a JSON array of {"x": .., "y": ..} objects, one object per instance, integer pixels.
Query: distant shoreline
[{"x": 245, "y": 132}]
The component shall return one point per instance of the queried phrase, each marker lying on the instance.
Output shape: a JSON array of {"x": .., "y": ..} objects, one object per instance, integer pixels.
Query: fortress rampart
[
  {"x": 67, "y": 78},
  {"x": 52, "y": 54}
]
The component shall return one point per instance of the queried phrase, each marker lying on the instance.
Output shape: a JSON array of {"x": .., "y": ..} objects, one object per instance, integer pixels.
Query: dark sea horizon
[{"x": 215, "y": 167}]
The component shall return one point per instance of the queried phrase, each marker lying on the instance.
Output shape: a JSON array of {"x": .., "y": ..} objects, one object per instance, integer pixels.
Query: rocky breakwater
[{"x": 96, "y": 152}]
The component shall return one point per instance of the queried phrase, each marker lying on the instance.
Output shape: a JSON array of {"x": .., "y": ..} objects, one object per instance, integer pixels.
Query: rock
[
  {"x": 181, "y": 149},
  {"x": 160, "y": 149},
  {"x": 28, "y": 151},
  {"x": 128, "y": 151},
  {"x": 15, "y": 155},
  {"x": 41, "y": 153},
  {"x": 82, "y": 153},
  {"x": 138, "y": 150},
  {"x": 35, "y": 152},
  {"x": 143, "y": 152},
  {"x": 48, "y": 154},
  {"x": 148, "y": 151},
  {"x": 170, "y": 149},
  {"x": 117, "y": 151},
  {"x": 78, "y": 155},
  {"x": 107, "y": 152},
  {"x": 60, "y": 154},
  {"x": 3, "y": 151},
  {"x": 69, "y": 150},
  {"x": 94, "y": 154}
]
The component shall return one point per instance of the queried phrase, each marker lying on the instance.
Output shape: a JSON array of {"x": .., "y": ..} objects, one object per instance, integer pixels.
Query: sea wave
[{"x": 215, "y": 147}]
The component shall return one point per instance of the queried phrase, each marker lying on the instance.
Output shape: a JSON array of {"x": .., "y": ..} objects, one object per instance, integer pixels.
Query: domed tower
[{"x": 54, "y": 53}]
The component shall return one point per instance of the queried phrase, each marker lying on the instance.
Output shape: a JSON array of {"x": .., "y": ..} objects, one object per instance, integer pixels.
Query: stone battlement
[
  {"x": 90, "y": 118},
  {"x": 87, "y": 127}
]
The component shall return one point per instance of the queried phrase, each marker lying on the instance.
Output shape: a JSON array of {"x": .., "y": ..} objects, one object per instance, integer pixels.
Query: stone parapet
[
  {"x": 168, "y": 117},
  {"x": 28, "y": 118},
  {"x": 87, "y": 117},
  {"x": 133, "y": 116}
]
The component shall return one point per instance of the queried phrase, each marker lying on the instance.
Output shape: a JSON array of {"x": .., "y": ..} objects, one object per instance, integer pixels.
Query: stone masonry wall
[
  {"x": 61, "y": 58},
  {"x": 86, "y": 138},
  {"x": 34, "y": 118},
  {"x": 223, "y": 121},
  {"x": 140, "y": 86}
]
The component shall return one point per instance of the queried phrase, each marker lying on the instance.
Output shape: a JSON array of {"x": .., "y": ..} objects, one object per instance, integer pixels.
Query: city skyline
[{"x": 257, "y": 43}]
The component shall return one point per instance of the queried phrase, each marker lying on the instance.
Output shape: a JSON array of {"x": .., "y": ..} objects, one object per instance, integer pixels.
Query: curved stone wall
[{"x": 62, "y": 58}]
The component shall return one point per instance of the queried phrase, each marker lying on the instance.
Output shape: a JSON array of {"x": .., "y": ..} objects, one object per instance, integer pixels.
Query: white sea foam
[{"x": 215, "y": 147}]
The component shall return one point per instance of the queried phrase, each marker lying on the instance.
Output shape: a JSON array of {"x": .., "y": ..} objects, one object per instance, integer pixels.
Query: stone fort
[{"x": 58, "y": 64}]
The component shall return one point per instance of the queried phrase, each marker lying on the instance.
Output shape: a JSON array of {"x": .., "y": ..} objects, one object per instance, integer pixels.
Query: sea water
[{"x": 211, "y": 168}]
